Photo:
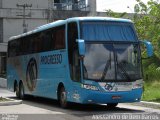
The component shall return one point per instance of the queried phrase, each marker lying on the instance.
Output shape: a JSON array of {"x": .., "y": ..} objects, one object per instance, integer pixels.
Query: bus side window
[
  {"x": 10, "y": 49},
  {"x": 20, "y": 47},
  {"x": 59, "y": 37},
  {"x": 13, "y": 48},
  {"x": 73, "y": 51}
]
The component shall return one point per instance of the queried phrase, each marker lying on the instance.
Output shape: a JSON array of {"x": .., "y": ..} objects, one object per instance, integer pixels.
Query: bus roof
[
  {"x": 98, "y": 19},
  {"x": 62, "y": 22}
]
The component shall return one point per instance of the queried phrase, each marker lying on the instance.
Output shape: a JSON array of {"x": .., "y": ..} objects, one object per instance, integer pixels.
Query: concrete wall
[
  {"x": 15, "y": 25},
  {"x": 92, "y": 6},
  {"x": 35, "y": 3},
  {"x": 3, "y": 83},
  {"x": 38, "y": 15},
  {"x": 3, "y": 47},
  {"x": 12, "y": 20}
]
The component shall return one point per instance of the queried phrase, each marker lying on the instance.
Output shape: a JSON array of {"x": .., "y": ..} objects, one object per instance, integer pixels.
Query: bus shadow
[{"x": 75, "y": 109}]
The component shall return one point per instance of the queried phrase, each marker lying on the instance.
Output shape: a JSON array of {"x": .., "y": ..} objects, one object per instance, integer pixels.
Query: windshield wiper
[
  {"x": 108, "y": 63},
  {"x": 122, "y": 68}
]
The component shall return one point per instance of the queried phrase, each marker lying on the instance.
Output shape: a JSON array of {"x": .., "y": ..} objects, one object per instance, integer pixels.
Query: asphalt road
[{"x": 35, "y": 108}]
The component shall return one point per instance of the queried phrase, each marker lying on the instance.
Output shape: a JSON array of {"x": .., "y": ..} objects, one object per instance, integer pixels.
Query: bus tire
[
  {"x": 16, "y": 88},
  {"x": 112, "y": 105},
  {"x": 21, "y": 91},
  {"x": 63, "y": 98}
]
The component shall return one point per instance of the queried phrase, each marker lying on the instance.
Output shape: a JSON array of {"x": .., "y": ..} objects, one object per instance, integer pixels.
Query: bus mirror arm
[
  {"x": 149, "y": 48},
  {"x": 81, "y": 47}
]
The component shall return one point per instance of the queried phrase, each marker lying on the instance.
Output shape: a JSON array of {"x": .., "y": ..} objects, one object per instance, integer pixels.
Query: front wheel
[
  {"x": 21, "y": 91},
  {"x": 63, "y": 98},
  {"x": 112, "y": 105}
]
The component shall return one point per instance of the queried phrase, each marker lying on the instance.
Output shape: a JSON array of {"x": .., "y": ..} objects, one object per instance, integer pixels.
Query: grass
[
  {"x": 151, "y": 91},
  {"x": 151, "y": 69}
]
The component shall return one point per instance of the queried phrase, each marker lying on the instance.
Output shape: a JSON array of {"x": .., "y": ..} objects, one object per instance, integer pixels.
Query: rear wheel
[
  {"x": 21, "y": 91},
  {"x": 63, "y": 97},
  {"x": 112, "y": 105}
]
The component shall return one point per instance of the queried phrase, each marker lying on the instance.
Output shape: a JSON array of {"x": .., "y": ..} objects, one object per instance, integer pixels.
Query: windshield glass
[
  {"x": 128, "y": 61},
  {"x": 107, "y": 31},
  {"x": 112, "y": 62}
]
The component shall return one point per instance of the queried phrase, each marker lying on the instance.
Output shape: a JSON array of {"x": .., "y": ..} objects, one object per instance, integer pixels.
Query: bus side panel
[
  {"x": 51, "y": 70},
  {"x": 40, "y": 73},
  {"x": 18, "y": 70},
  {"x": 14, "y": 73}
]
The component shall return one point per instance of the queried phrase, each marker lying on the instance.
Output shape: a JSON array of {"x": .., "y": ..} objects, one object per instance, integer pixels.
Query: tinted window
[
  {"x": 73, "y": 52},
  {"x": 14, "y": 48},
  {"x": 59, "y": 37},
  {"x": 52, "y": 39}
]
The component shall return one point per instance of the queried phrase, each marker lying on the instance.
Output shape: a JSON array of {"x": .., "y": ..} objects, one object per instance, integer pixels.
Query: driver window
[{"x": 73, "y": 54}]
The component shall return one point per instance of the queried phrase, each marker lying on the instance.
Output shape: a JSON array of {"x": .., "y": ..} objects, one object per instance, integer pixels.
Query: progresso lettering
[{"x": 51, "y": 59}]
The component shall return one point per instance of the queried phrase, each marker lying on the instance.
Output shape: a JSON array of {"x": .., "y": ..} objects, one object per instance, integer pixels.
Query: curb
[
  {"x": 151, "y": 104},
  {"x": 11, "y": 102},
  {"x": 147, "y": 104}
]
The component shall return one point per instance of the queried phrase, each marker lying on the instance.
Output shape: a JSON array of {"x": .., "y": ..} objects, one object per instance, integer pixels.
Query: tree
[
  {"x": 116, "y": 15},
  {"x": 147, "y": 22}
]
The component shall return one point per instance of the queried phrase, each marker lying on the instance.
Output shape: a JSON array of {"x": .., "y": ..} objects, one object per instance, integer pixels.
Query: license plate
[{"x": 116, "y": 97}]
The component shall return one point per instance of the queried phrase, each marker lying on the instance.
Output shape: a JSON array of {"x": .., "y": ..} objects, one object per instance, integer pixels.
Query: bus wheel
[
  {"x": 112, "y": 105},
  {"x": 17, "y": 90},
  {"x": 63, "y": 97},
  {"x": 21, "y": 91}
]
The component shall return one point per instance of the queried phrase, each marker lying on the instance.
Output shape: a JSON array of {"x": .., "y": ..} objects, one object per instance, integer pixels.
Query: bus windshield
[
  {"x": 112, "y": 62},
  {"x": 112, "y": 51}
]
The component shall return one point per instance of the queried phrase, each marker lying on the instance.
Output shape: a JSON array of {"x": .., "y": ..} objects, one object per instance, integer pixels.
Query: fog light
[{"x": 89, "y": 87}]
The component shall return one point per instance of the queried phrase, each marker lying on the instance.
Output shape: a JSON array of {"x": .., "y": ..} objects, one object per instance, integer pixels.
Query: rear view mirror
[
  {"x": 148, "y": 48},
  {"x": 81, "y": 47}
]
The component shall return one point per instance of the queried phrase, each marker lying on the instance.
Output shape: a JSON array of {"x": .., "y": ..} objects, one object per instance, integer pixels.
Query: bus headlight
[
  {"x": 89, "y": 87},
  {"x": 137, "y": 84}
]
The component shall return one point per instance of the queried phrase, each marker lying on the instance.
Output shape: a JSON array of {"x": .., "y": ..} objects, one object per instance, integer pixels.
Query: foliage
[
  {"x": 147, "y": 22},
  {"x": 116, "y": 15}
]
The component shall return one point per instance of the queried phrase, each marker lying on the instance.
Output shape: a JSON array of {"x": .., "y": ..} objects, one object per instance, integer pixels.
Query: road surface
[{"x": 35, "y": 108}]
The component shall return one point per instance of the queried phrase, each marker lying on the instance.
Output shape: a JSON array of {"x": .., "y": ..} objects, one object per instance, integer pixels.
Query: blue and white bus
[{"x": 87, "y": 60}]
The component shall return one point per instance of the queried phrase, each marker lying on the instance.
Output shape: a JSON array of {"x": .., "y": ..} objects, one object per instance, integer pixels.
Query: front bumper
[{"x": 99, "y": 97}]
